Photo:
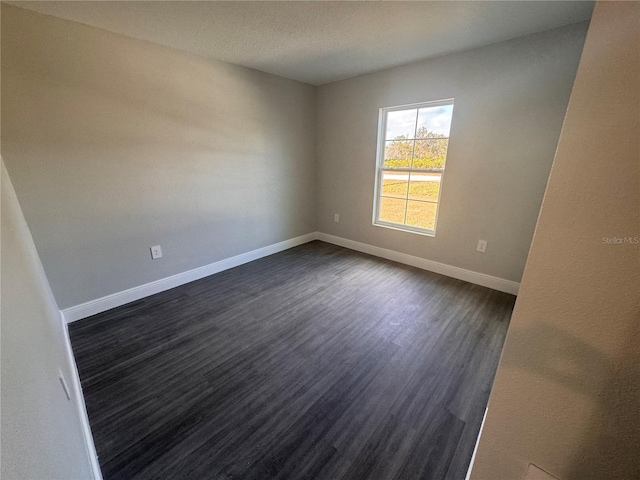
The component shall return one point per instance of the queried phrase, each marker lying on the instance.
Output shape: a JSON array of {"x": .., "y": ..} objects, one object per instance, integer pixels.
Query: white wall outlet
[
  {"x": 156, "y": 252},
  {"x": 336, "y": 218},
  {"x": 482, "y": 246},
  {"x": 63, "y": 384}
]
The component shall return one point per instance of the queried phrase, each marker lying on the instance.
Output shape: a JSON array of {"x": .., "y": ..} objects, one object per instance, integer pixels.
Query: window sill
[{"x": 406, "y": 229}]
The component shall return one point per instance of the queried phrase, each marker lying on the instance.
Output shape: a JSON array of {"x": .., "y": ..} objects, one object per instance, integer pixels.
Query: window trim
[{"x": 380, "y": 169}]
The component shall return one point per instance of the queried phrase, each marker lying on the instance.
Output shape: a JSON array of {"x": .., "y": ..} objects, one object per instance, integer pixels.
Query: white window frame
[{"x": 380, "y": 169}]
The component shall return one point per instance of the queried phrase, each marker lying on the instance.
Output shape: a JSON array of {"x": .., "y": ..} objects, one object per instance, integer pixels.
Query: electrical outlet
[
  {"x": 336, "y": 218},
  {"x": 482, "y": 246},
  {"x": 156, "y": 252}
]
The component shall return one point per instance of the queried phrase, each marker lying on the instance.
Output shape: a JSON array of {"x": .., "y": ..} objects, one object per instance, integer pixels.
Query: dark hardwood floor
[{"x": 314, "y": 363}]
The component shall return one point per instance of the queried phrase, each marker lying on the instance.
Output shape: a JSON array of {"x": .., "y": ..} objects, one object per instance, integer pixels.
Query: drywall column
[
  {"x": 42, "y": 431},
  {"x": 567, "y": 391}
]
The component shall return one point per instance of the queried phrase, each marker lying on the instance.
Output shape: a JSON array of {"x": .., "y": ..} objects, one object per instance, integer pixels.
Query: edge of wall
[
  {"x": 475, "y": 449},
  {"x": 482, "y": 279},
  {"x": 117, "y": 299},
  {"x": 78, "y": 397}
]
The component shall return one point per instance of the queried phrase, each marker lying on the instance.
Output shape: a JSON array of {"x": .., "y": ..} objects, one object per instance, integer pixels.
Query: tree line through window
[{"x": 412, "y": 152}]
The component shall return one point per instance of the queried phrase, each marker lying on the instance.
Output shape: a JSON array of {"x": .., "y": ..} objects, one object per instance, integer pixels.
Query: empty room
[{"x": 320, "y": 240}]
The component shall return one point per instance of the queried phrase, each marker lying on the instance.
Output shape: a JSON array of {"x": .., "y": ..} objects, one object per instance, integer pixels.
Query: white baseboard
[
  {"x": 117, "y": 299},
  {"x": 78, "y": 398},
  {"x": 496, "y": 283},
  {"x": 475, "y": 449},
  {"x": 108, "y": 302}
]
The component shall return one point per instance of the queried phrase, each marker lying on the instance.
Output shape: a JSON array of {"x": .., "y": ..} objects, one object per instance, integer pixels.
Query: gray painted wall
[
  {"x": 115, "y": 145},
  {"x": 510, "y": 100},
  {"x": 567, "y": 392},
  {"x": 41, "y": 429}
]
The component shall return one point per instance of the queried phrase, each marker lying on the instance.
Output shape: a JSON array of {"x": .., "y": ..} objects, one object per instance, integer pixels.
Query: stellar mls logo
[{"x": 620, "y": 240}]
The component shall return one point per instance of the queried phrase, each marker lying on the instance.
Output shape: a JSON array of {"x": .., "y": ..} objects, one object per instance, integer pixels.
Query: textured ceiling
[{"x": 320, "y": 42}]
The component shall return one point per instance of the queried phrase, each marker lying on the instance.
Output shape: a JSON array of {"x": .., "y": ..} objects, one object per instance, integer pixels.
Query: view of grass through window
[{"x": 412, "y": 156}]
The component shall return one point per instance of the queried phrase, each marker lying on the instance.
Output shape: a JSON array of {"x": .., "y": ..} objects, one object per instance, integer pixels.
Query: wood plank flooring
[{"x": 314, "y": 363}]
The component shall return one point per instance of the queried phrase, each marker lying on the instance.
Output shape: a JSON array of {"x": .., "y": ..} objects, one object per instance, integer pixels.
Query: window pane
[
  {"x": 425, "y": 186},
  {"x": 430, "y": 153},
  {"x": 434, "y": 121},
  {"x": 421, "y": 214},
  {"x": 395, "y": 184},
  {"x": 397, "y": 154},
  {"x": 413, "y": 147},
  {"x": 401, "y": 123},
  {"x": 392, "y": 209}
]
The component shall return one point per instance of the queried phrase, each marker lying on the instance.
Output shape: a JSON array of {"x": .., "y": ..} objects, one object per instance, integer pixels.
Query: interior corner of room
[{"x": 231, "y": 216}]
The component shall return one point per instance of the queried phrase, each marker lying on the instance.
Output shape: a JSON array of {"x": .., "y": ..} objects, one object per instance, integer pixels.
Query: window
[{"x": 412, "y": 152}]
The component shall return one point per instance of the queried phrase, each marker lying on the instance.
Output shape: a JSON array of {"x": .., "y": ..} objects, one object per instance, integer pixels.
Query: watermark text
[{"x": 620, "y": 240}]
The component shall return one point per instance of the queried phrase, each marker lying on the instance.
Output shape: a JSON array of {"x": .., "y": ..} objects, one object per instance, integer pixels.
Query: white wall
[
  {"x": 510, "y": 100},
  {"x": 41, "y": 430},
  {"x": 567, "y": 391},
  {"x": 116, "y": 144}
]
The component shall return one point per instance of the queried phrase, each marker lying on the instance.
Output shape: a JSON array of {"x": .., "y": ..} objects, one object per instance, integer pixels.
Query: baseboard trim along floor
[
  {"x": 117, "y": 299},
  {"x": 78, "y": 398},
  {"x": 470, "y": 276}
]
